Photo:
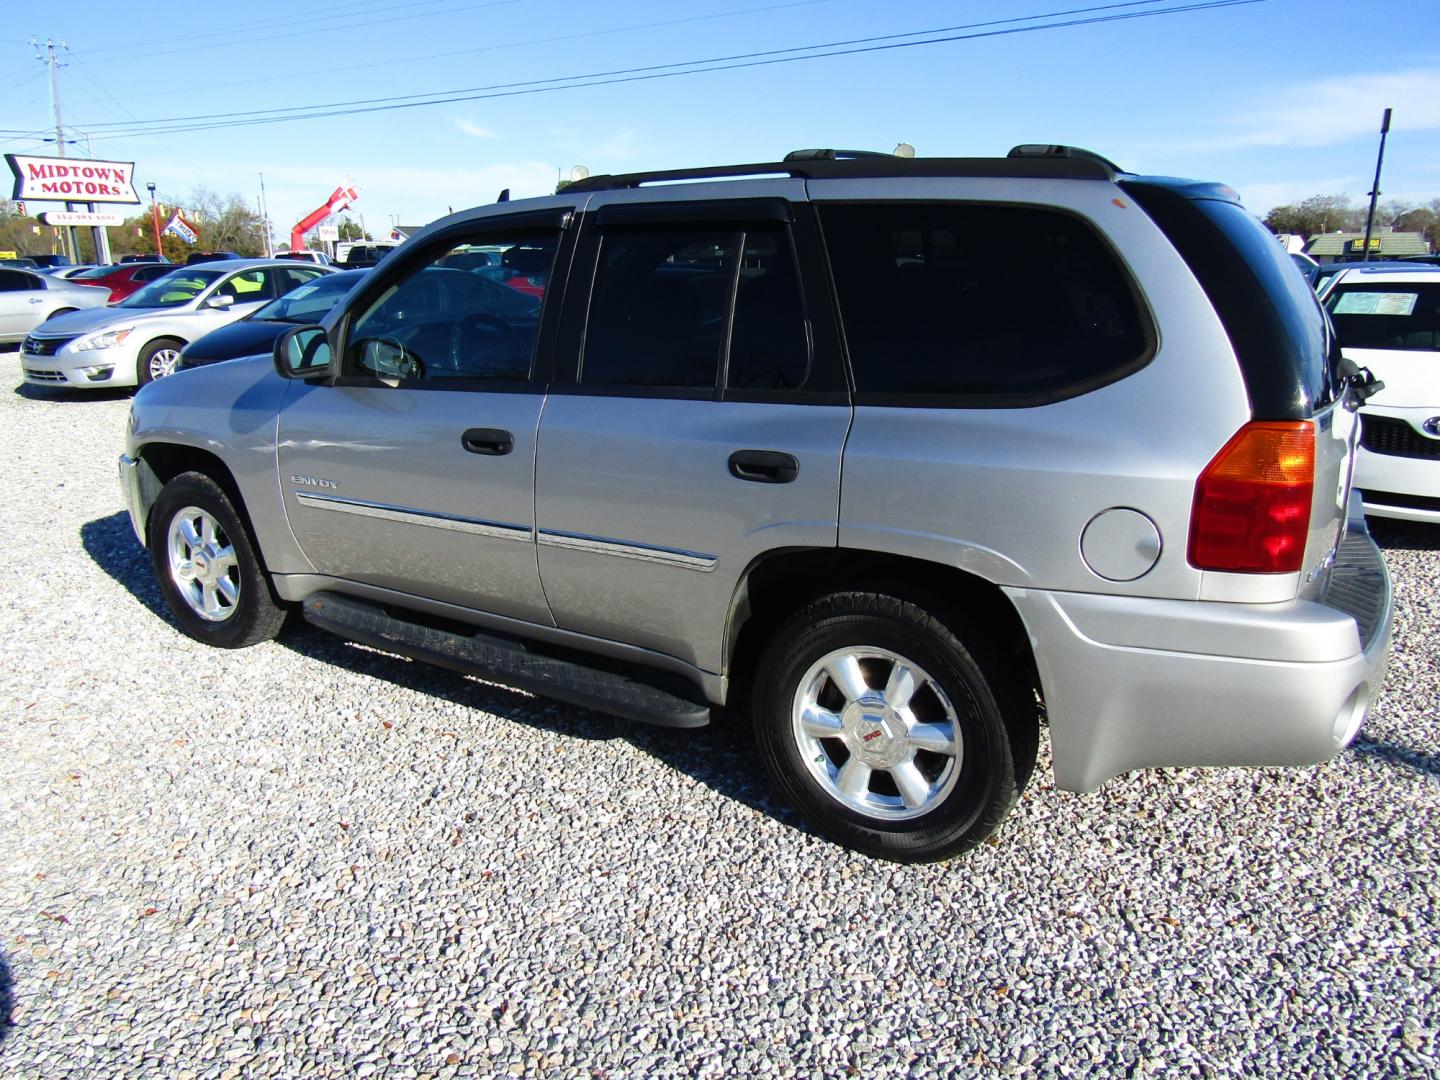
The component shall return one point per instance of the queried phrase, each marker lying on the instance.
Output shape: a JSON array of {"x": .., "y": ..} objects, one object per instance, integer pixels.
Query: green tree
[{"x": 1317, "y": 214}]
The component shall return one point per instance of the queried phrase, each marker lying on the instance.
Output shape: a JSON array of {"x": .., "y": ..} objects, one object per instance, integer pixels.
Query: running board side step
[{"x": 503, "y": 661}]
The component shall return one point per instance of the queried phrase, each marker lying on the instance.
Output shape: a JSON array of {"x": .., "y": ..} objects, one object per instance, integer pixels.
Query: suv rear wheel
[
  {"x": 207, "y": 567},
  {"x": 888, "y": 728}
]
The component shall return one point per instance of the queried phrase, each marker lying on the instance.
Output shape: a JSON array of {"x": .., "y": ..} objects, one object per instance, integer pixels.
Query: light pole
[
  {"x": 1375, "y": 188},
  {"x": 155, "y": 217}
]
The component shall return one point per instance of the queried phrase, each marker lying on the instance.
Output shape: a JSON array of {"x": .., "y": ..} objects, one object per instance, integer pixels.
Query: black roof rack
[
  {"x": 834, "y": 155},
  {"x": 1039, "y": 161}
]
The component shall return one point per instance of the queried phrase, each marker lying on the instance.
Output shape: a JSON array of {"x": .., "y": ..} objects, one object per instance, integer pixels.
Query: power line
[
  {"x": 371, "y": 65},
  {"x": 647, "y": 74},
  {"x": 339, "y": 12},
  {"x": 84, "y": 69},
  {"x": 268, "y": 38},
  {"x": 721, "y": 63}
]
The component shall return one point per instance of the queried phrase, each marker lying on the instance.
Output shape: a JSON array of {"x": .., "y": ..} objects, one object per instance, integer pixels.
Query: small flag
[{"x": 182, "y": 228}]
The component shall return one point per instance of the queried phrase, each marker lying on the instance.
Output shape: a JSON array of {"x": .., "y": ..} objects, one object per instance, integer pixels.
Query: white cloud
[
  {"x": 1324, "y": 112},
  {"x": 471, "y": 128}
]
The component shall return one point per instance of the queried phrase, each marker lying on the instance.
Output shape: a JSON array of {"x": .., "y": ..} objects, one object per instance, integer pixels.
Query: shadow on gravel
[
  {"x": 1405, "y": 535},
  {"x": 1392, "y": 754},
  {"x": 7, "y": 999},
  {"x": 719, "y": 756},
  {"x": 111, "y": 543},
  {"x": 47, "y": 393}
]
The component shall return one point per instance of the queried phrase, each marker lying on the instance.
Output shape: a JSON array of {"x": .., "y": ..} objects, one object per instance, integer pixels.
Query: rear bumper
[{"x": 1133, "y": 683}]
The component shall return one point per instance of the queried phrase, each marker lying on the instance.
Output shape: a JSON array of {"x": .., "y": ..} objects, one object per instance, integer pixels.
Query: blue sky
[{"x": 1279, "y": 98}]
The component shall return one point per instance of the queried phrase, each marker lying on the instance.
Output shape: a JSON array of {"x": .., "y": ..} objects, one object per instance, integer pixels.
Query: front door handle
[
  {"x": 764, "y": 466},
  {"x": 492, "y": 442}
]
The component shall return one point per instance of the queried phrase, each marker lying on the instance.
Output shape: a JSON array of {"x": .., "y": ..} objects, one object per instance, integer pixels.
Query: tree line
[{"x": 1340, "y": 213}]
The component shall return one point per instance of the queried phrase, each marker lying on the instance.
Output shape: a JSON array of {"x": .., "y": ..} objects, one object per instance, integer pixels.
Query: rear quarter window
[
  {"x": 980, "y": 304},
  {"x": 1286, "y": 353}
]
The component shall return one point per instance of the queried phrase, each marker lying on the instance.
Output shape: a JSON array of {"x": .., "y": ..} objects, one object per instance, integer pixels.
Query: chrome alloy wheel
[
  {"x": 203, "y": 564},
  {"x": 877, "y": 733},
  {"x": 164, "y": 362}
]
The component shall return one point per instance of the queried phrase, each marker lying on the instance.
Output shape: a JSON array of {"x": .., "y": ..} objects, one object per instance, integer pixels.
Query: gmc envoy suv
[{"x": 899, "y": 458}]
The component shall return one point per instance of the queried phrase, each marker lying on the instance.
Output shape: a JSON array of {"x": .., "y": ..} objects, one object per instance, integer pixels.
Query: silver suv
[{"x": 901, "y": 458}]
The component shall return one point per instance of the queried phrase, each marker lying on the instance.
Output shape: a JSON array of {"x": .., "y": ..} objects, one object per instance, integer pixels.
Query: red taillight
[{"x": 1252, "y": 502}]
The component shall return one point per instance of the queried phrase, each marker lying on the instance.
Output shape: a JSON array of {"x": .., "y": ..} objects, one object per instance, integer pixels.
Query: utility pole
[
  {"x": 265, "y": 218},
  {"x": 72, "y": 247},
  {"x": 1375, "y": 187}
]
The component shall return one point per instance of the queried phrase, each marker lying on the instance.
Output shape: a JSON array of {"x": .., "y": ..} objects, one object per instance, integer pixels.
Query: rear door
[
  {"x": 415, "y": 471},
  {"x": 699, "y": 420},
  {"x": 22, "y": 296}
]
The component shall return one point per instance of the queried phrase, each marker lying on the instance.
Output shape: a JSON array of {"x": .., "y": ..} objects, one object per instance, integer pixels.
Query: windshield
[
  {"x": 309, "y": 303},
  {"x": 98, "y": 272},
  {"x": 1387, "y": 315},
  {"x": 175, "y": 289}
]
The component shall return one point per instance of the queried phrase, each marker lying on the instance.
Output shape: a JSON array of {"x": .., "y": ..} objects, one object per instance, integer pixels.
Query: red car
[{"x": 122, "y": 279}]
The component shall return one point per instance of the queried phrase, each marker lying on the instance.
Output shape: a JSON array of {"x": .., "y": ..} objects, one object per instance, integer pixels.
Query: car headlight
[{"x": 104, "y": 340}]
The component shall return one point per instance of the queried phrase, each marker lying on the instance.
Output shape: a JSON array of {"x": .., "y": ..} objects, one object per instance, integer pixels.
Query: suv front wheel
[
  {"x": 887, "y": 730},
  {"x": 207, "y": 567}
]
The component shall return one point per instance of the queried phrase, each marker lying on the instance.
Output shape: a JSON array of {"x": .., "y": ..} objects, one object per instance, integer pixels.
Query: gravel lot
[{"x": 311, "y": 859}]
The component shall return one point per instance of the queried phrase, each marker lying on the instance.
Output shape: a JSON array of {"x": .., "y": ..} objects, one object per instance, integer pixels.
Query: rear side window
[
  {"x": 690, "y": 308},
  {"x": 999, "y": 305},
  {"x": 1387, "y": 316},
  {"x": 19, "y": 281}
]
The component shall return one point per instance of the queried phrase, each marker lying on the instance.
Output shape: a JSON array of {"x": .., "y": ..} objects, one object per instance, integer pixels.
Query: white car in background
[
  {"x": 140, "y": 338},
  {"x": 1388, "y": 320},
  {"x": 28, "y": 298}
]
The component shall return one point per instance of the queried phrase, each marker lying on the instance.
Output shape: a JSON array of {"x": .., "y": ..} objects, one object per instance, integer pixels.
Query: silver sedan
[{"x": 27, "y": 299}]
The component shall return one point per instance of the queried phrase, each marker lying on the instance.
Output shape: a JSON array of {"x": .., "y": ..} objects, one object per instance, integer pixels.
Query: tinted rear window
[
  {"x": 999, "y": 305},
  {"x": 1286, "y": 353},
  {"x": 1379, "y": 315}
]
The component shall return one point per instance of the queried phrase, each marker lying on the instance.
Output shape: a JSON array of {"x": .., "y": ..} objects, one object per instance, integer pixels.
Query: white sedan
[
  {"x": 28, "y": 298},
  {"x": 1388, "y": 320},
  {"x": 140, "y": 338}
]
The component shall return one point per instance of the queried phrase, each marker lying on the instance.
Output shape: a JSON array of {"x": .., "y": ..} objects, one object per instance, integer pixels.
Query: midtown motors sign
[{"x": 56, "y": 179}]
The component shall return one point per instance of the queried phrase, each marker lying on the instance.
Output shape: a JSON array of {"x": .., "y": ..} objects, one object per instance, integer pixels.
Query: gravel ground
[{"x": 311, "y": 859}]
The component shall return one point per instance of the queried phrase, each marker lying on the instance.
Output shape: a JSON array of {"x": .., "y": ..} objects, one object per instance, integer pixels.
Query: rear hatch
[{"x": 1283, "y": 341}]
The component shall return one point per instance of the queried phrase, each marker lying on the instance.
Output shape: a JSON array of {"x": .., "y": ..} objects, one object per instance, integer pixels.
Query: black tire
[
  {"x": 58, "y": 312},
  {"x": 255, "y": 614},
  {"x": 143, "y": 375},
  {"x": 987, "y": 704}
]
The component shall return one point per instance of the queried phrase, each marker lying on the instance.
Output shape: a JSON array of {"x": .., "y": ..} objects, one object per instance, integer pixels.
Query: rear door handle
[
  {"x": 492, "y": 442},
  {"x": 764, "y": 466}
]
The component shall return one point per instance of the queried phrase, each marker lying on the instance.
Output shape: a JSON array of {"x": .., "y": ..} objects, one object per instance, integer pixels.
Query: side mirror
[
  {"x": 303, "y": 352},
  {"x": 1359, "y": 382},
  {"x": 220, "y": 303}
]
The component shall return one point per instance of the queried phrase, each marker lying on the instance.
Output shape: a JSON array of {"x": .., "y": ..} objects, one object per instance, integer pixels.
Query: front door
[
  {"x": 415, "y": 470},
  {"x": 702, "y": 430}
]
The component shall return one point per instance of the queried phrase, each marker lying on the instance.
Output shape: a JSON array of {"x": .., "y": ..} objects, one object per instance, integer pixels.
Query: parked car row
[{"x": 140, "y": 338}]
